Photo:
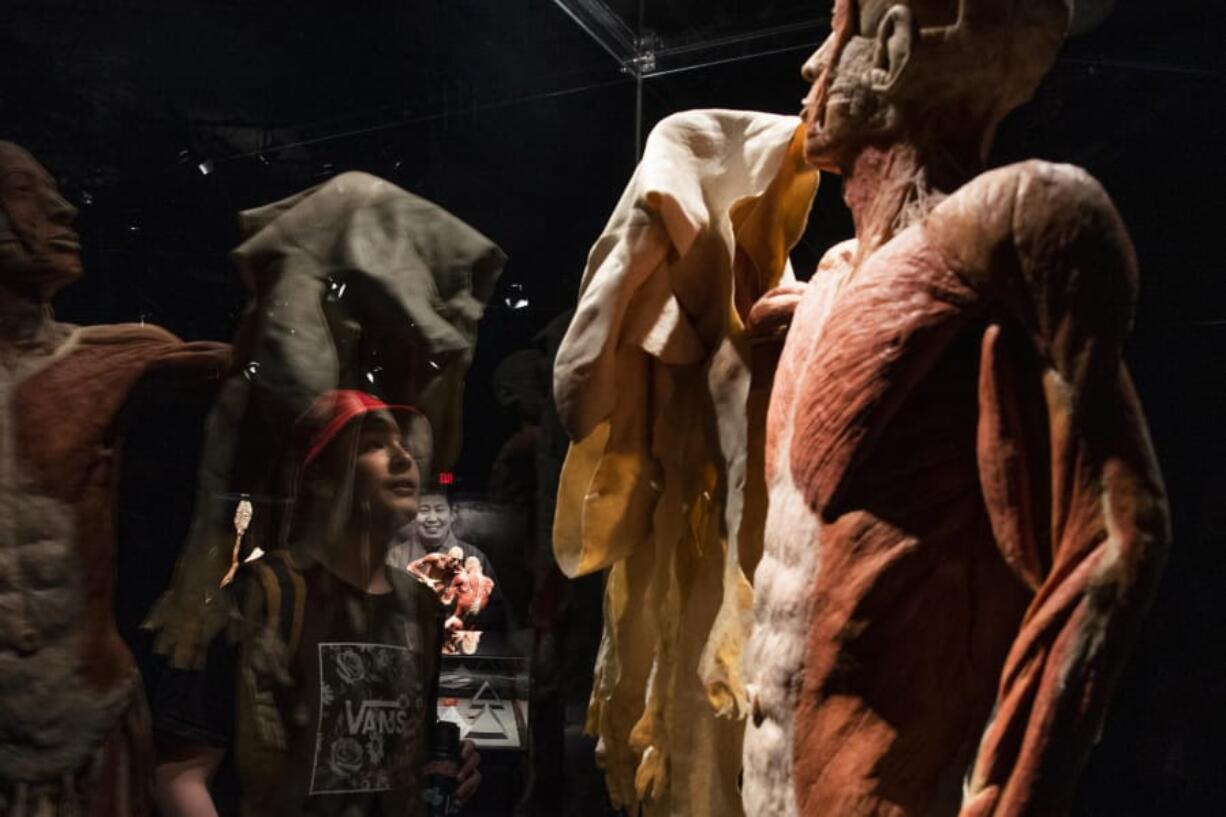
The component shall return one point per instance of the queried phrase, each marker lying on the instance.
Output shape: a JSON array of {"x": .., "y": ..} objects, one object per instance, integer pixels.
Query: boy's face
[
  {"x": 433, "y": 518},
  {"x": 386, "y": 476}
]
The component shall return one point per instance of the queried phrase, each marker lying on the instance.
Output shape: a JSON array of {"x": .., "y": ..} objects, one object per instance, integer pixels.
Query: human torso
[
  {"x": 878, "y": 548},
  {"x": 65, "y": 675}
]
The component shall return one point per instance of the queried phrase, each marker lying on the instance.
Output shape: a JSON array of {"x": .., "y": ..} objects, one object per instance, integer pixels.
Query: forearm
[
  {"x": 181, "y": 783},
  {"x": 184, "y": 798},
  {"x": 1103, "y": 548}
]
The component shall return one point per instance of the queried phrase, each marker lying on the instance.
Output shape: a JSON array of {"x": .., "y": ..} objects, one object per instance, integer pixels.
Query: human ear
[{"x": 892, "y": 52}]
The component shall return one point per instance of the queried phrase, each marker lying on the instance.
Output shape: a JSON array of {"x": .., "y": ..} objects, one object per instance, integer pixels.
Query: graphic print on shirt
[{"x": 371, "y": 716}]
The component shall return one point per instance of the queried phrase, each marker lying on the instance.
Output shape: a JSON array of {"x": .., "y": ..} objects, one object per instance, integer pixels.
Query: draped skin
[{"x": 656, "y": 381}]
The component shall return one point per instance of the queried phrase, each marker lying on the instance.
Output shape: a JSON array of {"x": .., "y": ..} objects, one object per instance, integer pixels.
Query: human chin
[
  {"x": 402, "y": 506},
  {"x": 46, "y": 272},
  {"x": 824, "y": 144},
  {"x": 430, "y": 535},
  {"x": 389, "y": 497},
  {"x": 60, "y": 268}
]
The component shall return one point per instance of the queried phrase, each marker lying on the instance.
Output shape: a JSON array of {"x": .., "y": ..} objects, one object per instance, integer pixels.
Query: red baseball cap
[{"x": 333, "y": 410}]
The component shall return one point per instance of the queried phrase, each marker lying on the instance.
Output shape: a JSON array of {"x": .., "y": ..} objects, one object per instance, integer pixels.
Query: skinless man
[
  {"x": 966, "y": 518},
  {"x": 74, "y": 726}
]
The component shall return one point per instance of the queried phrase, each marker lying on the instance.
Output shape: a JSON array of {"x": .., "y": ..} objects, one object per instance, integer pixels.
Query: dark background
[{"x": 504, "y": 112}]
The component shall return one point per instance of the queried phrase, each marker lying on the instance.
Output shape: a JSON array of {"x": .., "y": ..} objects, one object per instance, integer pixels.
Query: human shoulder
[
  {"x": 271, "y": 592},
  {"x": 125, "y": 344},
  {"x": 1029, "y": 182},
  {"x": 404, "y": 553},
  {"x": 1036, "y": 226},
  {"x": 838, "y": 259},
  {"x": 127, "y": 334},
  {"x": 1027, "y": 199}
]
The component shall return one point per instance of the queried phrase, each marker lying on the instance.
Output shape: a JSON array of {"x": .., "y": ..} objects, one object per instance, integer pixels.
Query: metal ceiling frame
[{"x": 645, "y": 54}]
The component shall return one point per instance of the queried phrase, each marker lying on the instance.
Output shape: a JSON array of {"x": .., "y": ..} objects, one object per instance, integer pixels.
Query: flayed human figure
[
  {"x": 74, "y": 729},
  {"x": 966, "y": 518}
]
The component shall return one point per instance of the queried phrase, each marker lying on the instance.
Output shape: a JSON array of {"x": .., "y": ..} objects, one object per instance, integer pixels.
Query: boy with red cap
[{"x": 319, "y": 700}]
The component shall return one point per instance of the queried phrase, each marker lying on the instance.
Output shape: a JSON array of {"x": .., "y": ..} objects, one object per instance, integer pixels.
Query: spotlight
[{"x": 516, "y": 299}]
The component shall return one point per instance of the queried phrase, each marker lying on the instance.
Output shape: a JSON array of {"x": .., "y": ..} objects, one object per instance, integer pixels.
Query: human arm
[
  {"x": 182, "y": 778},
  {"x": 193, "y": 719},
  {"x": 1072, "y": 487},
  {"x": 772, "y": 314},
  {"x": 468, "y": 780}
]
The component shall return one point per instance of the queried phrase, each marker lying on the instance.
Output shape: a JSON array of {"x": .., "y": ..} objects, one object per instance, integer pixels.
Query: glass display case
[
  {"x": 654, "y": 39},
  {"x": 395, "y": 200}
]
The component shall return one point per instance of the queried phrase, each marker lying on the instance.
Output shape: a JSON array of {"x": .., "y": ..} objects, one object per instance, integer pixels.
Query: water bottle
[{"x": 442, "y": 770}]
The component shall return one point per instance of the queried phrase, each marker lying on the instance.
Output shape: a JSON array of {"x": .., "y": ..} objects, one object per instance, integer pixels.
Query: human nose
[
  {"x": 401, "y": 458},
  {"x": 59, "y": 209},
  {"x": 812, "y": 69}
]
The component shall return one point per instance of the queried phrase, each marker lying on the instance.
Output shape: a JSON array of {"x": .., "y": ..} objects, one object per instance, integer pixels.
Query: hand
[
  {"x": 771, "y": 316},
  {"x": 469, "y": 778}
]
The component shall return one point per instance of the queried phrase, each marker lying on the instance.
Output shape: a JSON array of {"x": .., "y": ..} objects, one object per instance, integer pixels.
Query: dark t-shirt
[{"x": 355, "y": 717}]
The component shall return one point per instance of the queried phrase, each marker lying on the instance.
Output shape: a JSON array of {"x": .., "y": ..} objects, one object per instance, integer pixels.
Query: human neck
[
  {"x": 889, "y": 187},
  {"x": 358, "y": 557},
  {"x": 22, "y": 314}
]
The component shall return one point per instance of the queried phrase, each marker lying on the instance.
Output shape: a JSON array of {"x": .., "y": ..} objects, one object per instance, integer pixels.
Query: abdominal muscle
[{"x": 774, "y": 657}]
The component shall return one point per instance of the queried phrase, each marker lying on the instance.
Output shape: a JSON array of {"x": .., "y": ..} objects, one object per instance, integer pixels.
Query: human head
[
  {"x": 433, "y": 517},
  {"x": 939, "y": 72},
  {"x": 362, "y": 462},
  {"x": 39, "y": 251}
]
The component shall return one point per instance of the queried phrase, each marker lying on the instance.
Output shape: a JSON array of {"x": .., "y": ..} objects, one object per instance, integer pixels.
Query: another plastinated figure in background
[{"x": 460, "y": 573}]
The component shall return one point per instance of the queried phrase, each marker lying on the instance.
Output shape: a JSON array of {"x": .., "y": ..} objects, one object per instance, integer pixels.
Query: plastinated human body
[
  {"x": 966, "y": 518},
  {"x": 74, "y": 729}
]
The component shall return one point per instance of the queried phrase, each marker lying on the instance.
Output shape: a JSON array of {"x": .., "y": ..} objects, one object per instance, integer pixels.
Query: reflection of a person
[
  {"x": 434, "y": 521},
  {"x": 327, "y": 631},
  {"x": 432, "y": 533}
]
